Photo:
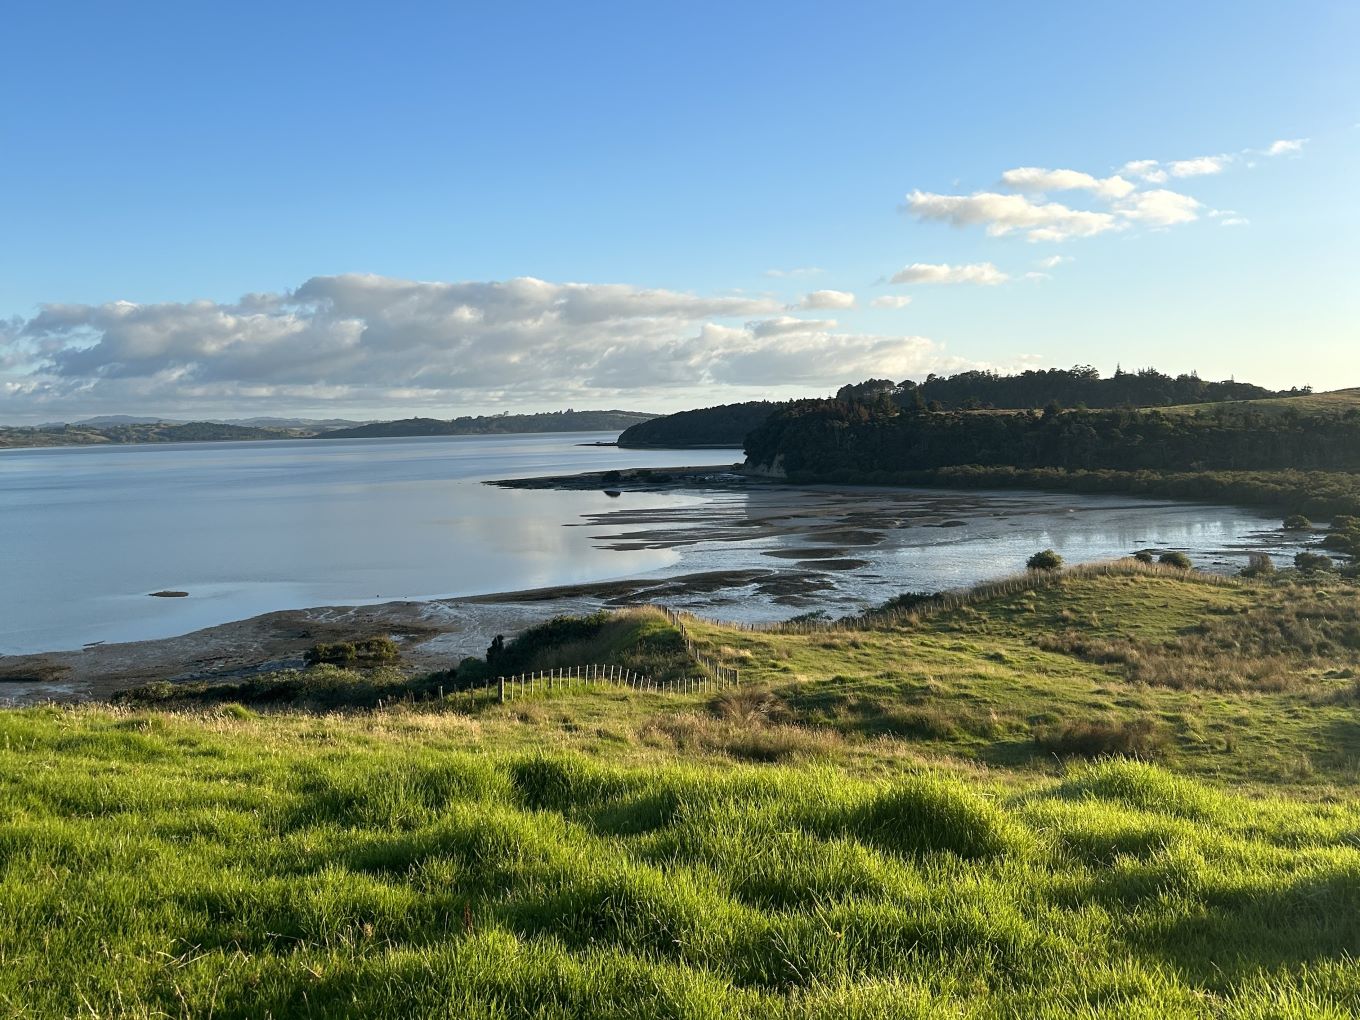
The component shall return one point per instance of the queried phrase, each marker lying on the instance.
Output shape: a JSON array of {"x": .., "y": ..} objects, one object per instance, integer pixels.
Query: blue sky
[{"x": 380, "y": 179}]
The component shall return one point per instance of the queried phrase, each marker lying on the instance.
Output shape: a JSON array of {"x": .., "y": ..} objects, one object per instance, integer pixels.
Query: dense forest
[
  {"x": 825, "y": 438},
  {"x": 1082, "y": 386},
  {"x": 724, "y": 425},
  {"x": 548, "y": 421}
]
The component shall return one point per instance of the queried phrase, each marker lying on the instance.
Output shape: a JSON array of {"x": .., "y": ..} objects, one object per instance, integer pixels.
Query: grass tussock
[{"x": 1095, "y": 738}]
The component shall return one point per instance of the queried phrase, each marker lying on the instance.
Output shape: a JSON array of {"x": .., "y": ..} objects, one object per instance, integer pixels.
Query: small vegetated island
[{"x": 1112, "y": 790}]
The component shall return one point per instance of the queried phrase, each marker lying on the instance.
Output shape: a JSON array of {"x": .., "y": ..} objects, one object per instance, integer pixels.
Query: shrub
[
  {"x": 1175, "y": 559},
  {"x": 1143, "y": 556},
  {"x": 1309, "y": 562},
  {"x": 1258, "y": 565},
  {"x": 1046, "y": 559},
  {"x": 1297, "y": 522},
  {"x": 369, "y": 651}
]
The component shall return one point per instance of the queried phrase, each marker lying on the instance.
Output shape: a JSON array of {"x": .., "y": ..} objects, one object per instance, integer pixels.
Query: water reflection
[{"x": 247, "y": 528}]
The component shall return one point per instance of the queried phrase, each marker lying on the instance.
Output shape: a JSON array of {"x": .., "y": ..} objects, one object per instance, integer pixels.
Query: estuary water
[{"x": 87, "y": 533}]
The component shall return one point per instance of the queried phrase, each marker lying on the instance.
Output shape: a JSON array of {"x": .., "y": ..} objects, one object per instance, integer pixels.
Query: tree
[{"x": 1045, "y": 559}]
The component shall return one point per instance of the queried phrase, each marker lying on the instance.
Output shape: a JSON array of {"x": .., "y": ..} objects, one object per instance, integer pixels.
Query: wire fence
[{"x": 579, "y": 678}]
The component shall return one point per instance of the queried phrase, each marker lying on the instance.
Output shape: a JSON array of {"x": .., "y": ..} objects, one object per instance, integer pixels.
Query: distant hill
[
  {"x": 155, "y": 432},
  {"x": 552, "y": 421},
  {"x": 726, "y": 425}
]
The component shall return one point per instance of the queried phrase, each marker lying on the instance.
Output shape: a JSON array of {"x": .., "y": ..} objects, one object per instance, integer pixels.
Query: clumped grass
[
  {"x": 219, "y": 866},
  {"x": 1093, "y": 738}
]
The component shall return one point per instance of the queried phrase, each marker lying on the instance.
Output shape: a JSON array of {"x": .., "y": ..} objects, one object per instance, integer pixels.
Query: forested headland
[
  {"x": 1302, "y": 462},
  {"x": 1081, "y": 386}
]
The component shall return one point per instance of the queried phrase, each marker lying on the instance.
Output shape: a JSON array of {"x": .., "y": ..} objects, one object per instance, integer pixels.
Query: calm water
[{"x": 246, "y": 528}]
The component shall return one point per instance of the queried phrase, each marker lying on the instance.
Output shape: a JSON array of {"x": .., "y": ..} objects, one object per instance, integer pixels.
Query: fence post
[{"x": 500, "y": 689}]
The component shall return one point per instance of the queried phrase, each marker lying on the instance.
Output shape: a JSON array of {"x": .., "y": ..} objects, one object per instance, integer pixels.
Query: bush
[
  {"x": 368, "y": 652},
  {"x": 1175, "y": 559},
  {"x": 1297, "y": 522},
  {"x": 1258, "y": 565},
  {"x": 1143, "y": 556},
  {"x": 1309, "y": 562},
  {"x": 1046, "y": 559}
]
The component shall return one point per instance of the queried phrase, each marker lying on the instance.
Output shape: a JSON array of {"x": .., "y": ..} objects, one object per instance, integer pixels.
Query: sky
[{"x": 379, "y": 210}]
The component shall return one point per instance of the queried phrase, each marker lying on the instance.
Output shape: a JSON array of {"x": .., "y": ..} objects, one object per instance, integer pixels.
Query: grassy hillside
[
  {"x": 909, "y": 819},
  {"x": 1333, "y": 402}
]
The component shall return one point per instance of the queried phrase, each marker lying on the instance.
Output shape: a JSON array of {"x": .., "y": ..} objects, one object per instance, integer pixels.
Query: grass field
[
  {"x": 1332, "y": 402},
  {"x": 911, "y": 820}
]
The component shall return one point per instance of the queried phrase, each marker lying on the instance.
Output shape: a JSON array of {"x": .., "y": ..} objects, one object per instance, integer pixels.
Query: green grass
[
  {"x": 182, "y": 866},
  {"x": 886, "y": 822}
]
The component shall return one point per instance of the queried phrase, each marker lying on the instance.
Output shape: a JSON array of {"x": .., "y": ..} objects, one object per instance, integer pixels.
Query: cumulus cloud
[
  {"x": 1285, "y": 145},
  {"x": 1159, "y": 208},
  {"x": 927, "y": 272},
  {"x": 891, "y": 301},
  {"x": 1036, "y": 179},
  {"x": 828, "y": 299},
  {"x": 1145, "y": 169},
  {"x": 377, "y": 341},
  {"x": 1053, "y": 261},
  {"x": 1199, "y": 166},
  {"x": 1003, "y": 214}
]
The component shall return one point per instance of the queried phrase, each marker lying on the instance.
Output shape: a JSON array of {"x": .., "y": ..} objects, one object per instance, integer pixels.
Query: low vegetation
[{"x": 1111, "y": 792}]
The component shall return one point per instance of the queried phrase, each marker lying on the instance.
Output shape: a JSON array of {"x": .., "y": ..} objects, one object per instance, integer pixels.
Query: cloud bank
[{"x": 377, "y": 341}]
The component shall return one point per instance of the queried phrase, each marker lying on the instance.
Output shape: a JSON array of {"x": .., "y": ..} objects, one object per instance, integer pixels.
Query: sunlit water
[{"x": 245, "y": 528}]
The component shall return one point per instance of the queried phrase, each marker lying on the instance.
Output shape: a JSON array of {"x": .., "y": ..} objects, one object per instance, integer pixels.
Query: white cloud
[
  {"x": 1228, "y": 218},
  {"x": 1285, "y": 145},
  {"x": 800, "y": 271},
  {"x": 1145, "y": 169},
  {"x": 828, "y": 299},
  {"x": 372, "y": 341},
  {"x": 1159, "y": 208},
  {"x": 1034, "y": 179},
  {"x": 1199, "y": 166},
  {"x": 927, "y": 272},
  {"x": 1002, "y": 214},
  {"x": 1053, "y": 261},
  {"x": 786, "y": 324},
  {"x": 891, "y": 301}
]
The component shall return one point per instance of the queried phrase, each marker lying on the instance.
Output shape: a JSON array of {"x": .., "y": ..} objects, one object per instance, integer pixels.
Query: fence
[
  {"x": 578, "y": 678},
  {"x": 715, "y": 668}
]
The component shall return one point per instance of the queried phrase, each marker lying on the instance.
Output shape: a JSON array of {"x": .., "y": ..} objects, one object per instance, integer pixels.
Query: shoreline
[
  {"x": 433, "y": 634},
  {"x": 810, "y": 539}
]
